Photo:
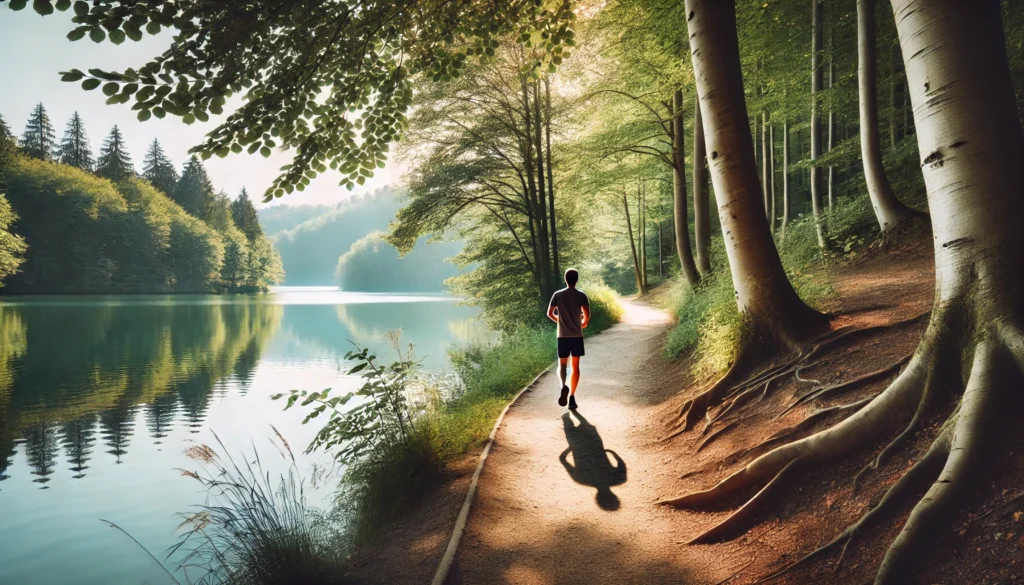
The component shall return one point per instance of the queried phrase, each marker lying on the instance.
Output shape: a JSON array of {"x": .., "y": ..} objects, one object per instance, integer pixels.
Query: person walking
[{"x": 570, "y": 309}]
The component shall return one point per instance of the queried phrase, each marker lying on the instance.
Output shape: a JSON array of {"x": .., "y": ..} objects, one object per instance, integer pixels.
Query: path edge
[{"x": 460, "y": 523}]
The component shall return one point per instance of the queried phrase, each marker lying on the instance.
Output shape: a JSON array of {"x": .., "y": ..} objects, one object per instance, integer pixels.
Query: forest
[
  {"x": 743, "y": 150},
  {"x": 74, "y": 223}
]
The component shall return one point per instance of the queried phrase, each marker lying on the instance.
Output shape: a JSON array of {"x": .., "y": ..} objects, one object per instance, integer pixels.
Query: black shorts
[{"x": 570, "y": 345}]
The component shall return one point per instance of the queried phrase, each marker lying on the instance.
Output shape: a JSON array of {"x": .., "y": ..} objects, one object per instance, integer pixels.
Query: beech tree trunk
[
  {"x": 701, "y": 207},
  {"x": 551, "y": 181},
  {"x": 764, "y": 166},
  {"x": 640, "y": 288},
  {"x": 971, "y": 148},
  {"x": 889, "y": 211},
  {"x": 816, "y": 77},
  {"x": 763, "y": 292},
  {"x": 831, "y": 120},
  {"x": 771, "y": 157},
  {"x": 785, "y": 177},
  {"x": 642, "y": 200},
  {"x": 679, "y": 202}
]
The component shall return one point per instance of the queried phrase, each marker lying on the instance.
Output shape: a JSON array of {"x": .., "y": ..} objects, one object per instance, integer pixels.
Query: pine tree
[
  {"x": 244, "y": 214},
  {"x": 39, "y": 141},
  {"x": 194, "y": 191},
  {"x": 74, "y": 148},
  {"x": 114, "y": 163},
  {"x": 159, "y": 170},
  {"x": 5, "y": 131}
]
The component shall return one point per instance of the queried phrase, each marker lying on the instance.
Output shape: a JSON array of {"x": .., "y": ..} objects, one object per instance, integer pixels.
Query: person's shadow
[{"x": 590, "y": 464}]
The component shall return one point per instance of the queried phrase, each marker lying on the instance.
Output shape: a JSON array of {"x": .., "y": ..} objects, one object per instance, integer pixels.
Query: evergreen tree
[
  {"x": 5, "y": 131},
  {"x": 74, "y": 148},
  {"x": 114, "y": 163},
  {"x": 38, "y": 141},
  {"x": 244, "y": 214},
  {"x": 194, "y": 191},
  {"x": 159, "y": 170}
]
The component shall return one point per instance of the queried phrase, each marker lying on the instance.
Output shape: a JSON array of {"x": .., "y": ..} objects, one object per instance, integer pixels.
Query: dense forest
[
  {"x": 556, "y": 134},
  {"x": 72, "y": 223}
]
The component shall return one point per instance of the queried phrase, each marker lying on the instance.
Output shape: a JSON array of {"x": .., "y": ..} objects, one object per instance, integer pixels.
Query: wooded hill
[{"x": 71, "y": 225}]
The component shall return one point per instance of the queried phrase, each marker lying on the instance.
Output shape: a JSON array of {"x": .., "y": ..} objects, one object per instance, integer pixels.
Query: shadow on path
[{"x": 590, "y": 465}]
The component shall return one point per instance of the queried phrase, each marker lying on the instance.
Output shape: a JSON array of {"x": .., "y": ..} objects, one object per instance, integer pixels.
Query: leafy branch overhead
[{"x": 331, "y": 80}]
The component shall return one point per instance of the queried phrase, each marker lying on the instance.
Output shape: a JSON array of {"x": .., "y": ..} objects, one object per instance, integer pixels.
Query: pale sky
[{"x": 35, "y": 48}]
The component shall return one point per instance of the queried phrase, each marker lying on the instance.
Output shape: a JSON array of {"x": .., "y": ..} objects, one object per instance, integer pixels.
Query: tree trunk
[
  {"x": 537, "y": 220},
  {"x": 701, "y": 207},
  {"x": 785, "y": 177},
  {"x": 632, "y": 245},
  {"x": 831, "y": 120},
  {"x": 679, "y": 202},
  {"x": 542, "y": 195},
  {"x": 551, "y": 181},
  {"x": 816, "y": 78},
  {"x": 892, "y": 106},
  {"x": 763, "y": 292},
  {"x": 889, "y": 211},
  {"x": 764, "y": 166},
  {"x": 642, "y": 198},
  {"x": 771, "y": 157}
]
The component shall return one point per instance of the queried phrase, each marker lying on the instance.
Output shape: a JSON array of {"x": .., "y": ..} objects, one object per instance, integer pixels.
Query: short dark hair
[{"x": 572, "y": 277}]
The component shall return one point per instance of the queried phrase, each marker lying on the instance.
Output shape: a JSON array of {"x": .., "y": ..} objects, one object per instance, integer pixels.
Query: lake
[{"x": 100, "y": 396}]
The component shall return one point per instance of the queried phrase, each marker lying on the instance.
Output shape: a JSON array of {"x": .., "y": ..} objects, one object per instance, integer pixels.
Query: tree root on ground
[
  {"x": 735, "y": 395},
  {"x": 951, "y": 466}
]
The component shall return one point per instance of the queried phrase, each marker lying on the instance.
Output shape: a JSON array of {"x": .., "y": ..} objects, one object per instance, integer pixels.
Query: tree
[
  {"x": 12, "y": 247},
  {"x": 5, "y": 131},
  {"x": 817, "y": 7},
  {"x": 971, "y": 145},
  {"x": 74, "y": 147},
  {"x": 679, "y": 201},
  {"x": 194, "y": 191},
  {"x": 38, "y": 141},
  {"x": 244, "y": 214},
  {"x": 888, "y": 209},
  {"x": 360, "y": 57},
  {"x": 158, "y": 169},
  {"x": 775, "y": 314},
  {"x": 114, "y": 162},
  {"x": 701, "y": 208}
]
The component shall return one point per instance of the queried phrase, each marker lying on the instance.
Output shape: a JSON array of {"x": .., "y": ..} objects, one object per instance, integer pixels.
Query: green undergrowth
[{"x": 709, "y": 326}]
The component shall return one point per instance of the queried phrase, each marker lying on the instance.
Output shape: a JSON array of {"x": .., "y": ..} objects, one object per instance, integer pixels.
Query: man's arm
[
  {"x": 553, "y": 313},
  {"x": 586, "y": 317}
]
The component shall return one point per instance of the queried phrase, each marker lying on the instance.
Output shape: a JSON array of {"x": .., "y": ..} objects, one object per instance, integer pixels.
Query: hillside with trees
[
  {"x": 74, "y": 223},
  {"x": 373, "y": 265}
]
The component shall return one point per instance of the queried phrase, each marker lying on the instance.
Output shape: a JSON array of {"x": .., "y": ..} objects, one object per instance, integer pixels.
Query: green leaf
[
  {"x": 78, "y": 33},
  {"x": 117, "y": 36},
  {"x": 18, "y": 4},
  {"x": 110, "y": 88},
  {"x": 97, "y": 35},
  {"x": 63, "y": 5},
  {"x": 72, "y": 76},
  {"x": 159, "y": 112},
  {"x": 42, "y": 7},
  {"x": 81, "y": 8},
  {"x": 144, "y": 115},
  {"x": 265, "y": 151},
  {"x": 133, "y": 32},
  {"x": 153, "y": 28},
  {"x": 188, "y": 118},
  {"x": 90, "y": 84}
]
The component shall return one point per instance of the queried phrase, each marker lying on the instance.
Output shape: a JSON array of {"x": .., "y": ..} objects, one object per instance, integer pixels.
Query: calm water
[{"x": 100, "y": 396}]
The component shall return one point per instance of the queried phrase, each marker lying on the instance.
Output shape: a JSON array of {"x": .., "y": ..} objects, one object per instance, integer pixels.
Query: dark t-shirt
[{"x": 570, "y": 303}]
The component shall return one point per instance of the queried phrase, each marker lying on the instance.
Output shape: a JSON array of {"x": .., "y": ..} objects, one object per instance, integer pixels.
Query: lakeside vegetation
[{"x": 69, "y": 225}]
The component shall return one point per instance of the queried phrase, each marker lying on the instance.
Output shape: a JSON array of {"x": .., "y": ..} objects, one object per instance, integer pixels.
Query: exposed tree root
[
  {"x": 800, "y": 427},
  {"x": 833, "y": 390},
  {"x": 735, "y": 395},
  {"x": 912, "y": 482},
  {"x": 717, "y": 434},
  {"x": 951, "y": 466}
]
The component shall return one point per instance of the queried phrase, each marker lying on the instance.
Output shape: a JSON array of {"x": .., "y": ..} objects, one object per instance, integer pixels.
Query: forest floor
[{"x": 569, "y": 498}]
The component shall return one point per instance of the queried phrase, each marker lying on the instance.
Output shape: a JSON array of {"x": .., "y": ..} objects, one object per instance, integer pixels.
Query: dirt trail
[{"x": 567, "y": 498}]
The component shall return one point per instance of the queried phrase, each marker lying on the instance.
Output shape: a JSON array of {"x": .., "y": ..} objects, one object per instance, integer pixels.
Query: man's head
[{"x": 572, "y": 277}]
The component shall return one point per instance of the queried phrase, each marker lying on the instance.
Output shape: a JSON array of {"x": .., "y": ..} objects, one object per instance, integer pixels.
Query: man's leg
[
  {"x": 562, "y": 367},
  {"x": 563, "y": 395},
  {"x": 575, "y": 380}
]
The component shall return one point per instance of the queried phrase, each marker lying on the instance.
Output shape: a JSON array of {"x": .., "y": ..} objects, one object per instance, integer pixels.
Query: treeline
[
  {"x": 374, "y": 265},
  {"x": 72, "y": 223}
]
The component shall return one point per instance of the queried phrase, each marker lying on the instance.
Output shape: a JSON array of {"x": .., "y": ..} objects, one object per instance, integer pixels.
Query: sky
[{"x": 35, "y": 49}]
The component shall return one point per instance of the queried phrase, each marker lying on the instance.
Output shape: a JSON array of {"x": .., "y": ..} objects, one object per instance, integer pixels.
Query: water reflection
[{"x": 72, "y": 374}]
